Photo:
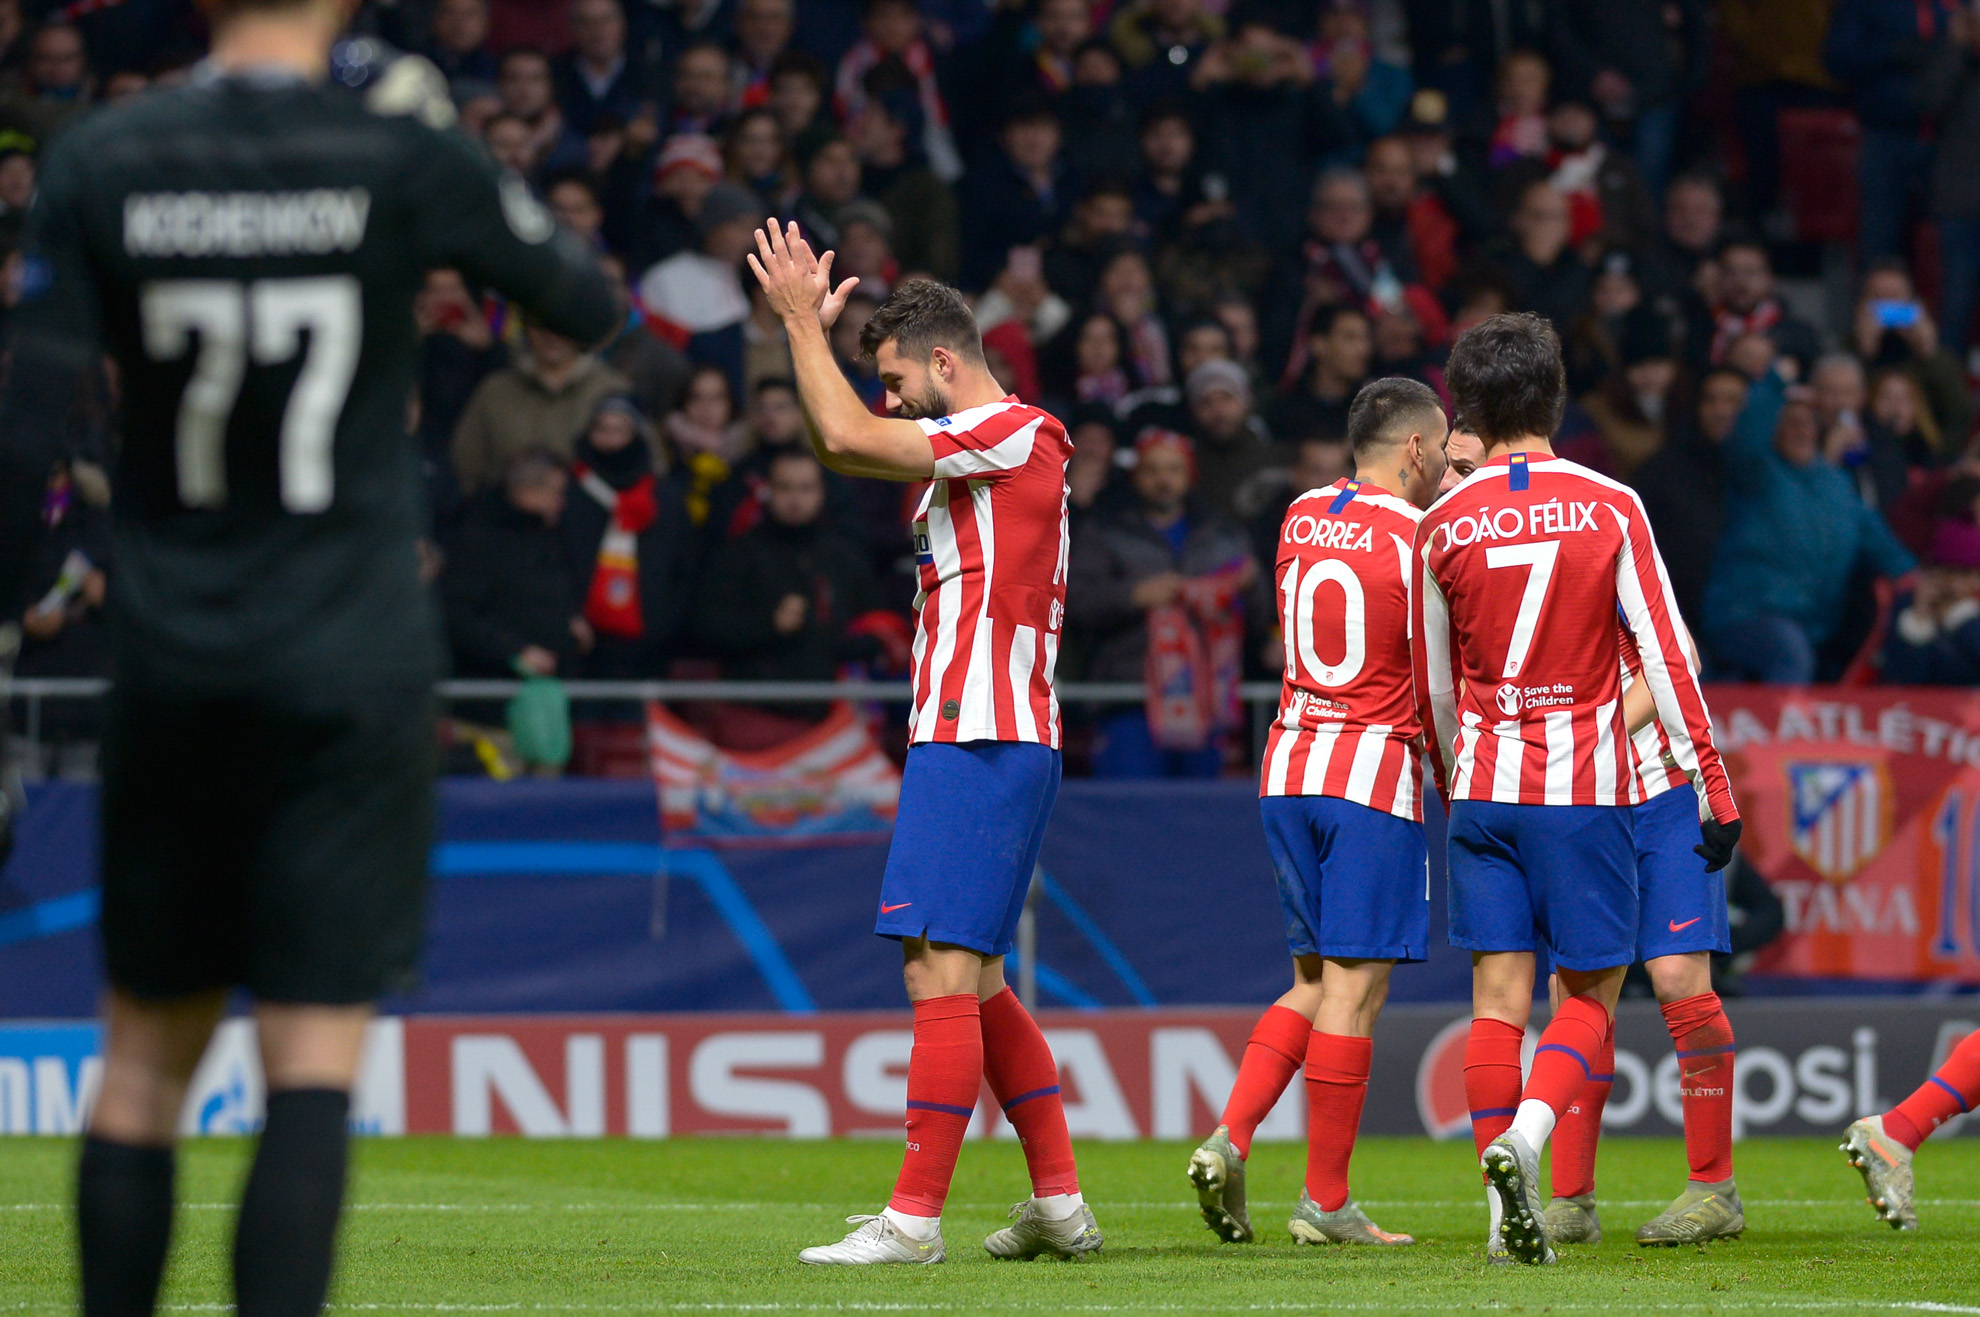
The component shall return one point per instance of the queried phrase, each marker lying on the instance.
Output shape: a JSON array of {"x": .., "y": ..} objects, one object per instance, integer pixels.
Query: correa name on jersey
[
  {"x": 316, "y": 222},
  {"x": 1347, "y": 724}
]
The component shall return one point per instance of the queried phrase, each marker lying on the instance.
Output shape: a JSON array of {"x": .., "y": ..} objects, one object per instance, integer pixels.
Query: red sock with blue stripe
[
  {"x": 1336, "y": 1087},
  {"x": 1491, "y": 1077},
  {"x": 1273, "y": 1055},
  {"x": 945, "y": 1070},
  {"x": 1953, "y": 1088},
  {"x": 1579, "y": 1132},
  {"x": 1025, "y": 1079},
  {"x": 1563, "y": 1063},
  {"x": 1704, "y": 1039}
]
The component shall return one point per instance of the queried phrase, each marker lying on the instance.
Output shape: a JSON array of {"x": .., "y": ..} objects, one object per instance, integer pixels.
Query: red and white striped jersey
[
  {"x": 1521, "y": 570},
  {"x": 990, "y": 543},
  {"x": 1656, "y": 767},
  {"x": 1347, "y": 724}
]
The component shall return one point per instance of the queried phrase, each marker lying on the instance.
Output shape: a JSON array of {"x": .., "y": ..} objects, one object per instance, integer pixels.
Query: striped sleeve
[
  {"x": 1644, "y": 590},
  {"x": 990, "y": 442},
  {"x": 1435, "y": 672}
]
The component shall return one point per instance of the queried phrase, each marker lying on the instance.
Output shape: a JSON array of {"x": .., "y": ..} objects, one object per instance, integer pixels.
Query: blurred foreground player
[
  {"x": 1881, "y": 1146},
  {"x": 983, "y": 764},
  {"x": 247, "y": 248},
  {"x": 1681, "y": 920},
  {"x": 1522, "y": 570},
  {"x": 1342, "y": 804}
]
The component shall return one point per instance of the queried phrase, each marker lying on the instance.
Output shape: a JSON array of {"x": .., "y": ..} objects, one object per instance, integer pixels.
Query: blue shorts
[
  {"x": 1354, "y": 882},
  {"x": 1558, "y": 876},
  {"x": 966, "y": 839},
  {"x": 1681, "y": 907}
]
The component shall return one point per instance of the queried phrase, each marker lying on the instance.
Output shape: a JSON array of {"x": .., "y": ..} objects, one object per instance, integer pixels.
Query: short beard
[{"x": 926, "y": 407}]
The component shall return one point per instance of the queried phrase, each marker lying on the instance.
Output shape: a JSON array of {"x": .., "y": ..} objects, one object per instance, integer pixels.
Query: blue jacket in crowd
[{"x": 1793, "y": 534}]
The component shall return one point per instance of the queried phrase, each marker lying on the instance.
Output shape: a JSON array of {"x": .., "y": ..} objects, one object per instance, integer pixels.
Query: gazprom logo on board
[{"x": 1839, "y": 814}]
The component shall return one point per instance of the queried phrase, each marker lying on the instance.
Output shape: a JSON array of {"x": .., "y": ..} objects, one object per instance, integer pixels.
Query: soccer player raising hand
[{"x": 983, "y": 767}]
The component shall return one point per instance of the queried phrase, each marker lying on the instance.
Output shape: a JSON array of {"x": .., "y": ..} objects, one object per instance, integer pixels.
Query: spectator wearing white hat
[{"x": 688, "y": 167}]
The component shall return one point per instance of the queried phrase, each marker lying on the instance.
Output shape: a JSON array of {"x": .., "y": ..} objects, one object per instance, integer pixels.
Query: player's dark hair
[
  {"x": 919, "y": 316},
  {"x": 1506, "y": 378},
  {"x": 1389, "y": 410}
]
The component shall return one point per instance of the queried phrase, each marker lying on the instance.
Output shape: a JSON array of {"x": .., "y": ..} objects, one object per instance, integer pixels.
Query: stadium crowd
[{"x": 1191, "y": 230}]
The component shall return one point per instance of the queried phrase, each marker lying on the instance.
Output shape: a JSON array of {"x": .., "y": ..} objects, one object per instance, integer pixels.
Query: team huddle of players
[
  {"x": 1466, "y": 598},
  {"x": 1470, "y": 597}
]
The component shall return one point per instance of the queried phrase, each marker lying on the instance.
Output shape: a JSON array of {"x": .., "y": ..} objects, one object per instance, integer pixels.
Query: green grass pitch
[{"x": 714, "y": 1226}]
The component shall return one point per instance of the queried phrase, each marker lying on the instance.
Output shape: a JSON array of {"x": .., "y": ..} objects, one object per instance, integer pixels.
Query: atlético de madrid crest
[{"x": 1839, "y": 814}]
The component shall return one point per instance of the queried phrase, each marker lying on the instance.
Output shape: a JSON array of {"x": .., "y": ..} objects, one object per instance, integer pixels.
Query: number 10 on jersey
[{"x": 264, "y": 322}]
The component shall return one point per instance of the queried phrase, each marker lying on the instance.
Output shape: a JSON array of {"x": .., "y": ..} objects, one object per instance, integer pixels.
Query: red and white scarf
[
  {"x": 1195, "y": 658},
  {"x": 612, "y": 605},
  {"x": 1728, "y": 326}
]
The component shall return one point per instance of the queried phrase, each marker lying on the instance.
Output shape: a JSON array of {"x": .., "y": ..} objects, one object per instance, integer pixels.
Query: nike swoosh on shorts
[
  {"x": 889, "y": 909},
  {"x": 1676, "y": 927}
]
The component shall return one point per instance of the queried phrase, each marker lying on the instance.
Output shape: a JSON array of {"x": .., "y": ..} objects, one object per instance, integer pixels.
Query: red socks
[
  {"x": 1276, "y": 1050},
  {"x": 1025, "y": 1080},
  {"x": 1336, "y": 1086},
  {"x": 1579, "y": 1130},
  {"x": 1951, "y": 1090},
  {"x": 1491, "y": 1077},
  {"x": 1564, "y": 1061},
  {"x": 1704, "y": 1040},
  {"x": 945, "y": 1070}
]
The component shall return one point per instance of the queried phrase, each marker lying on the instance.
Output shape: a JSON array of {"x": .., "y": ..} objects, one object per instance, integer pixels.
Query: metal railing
[{"x": 1261, "y": 697}]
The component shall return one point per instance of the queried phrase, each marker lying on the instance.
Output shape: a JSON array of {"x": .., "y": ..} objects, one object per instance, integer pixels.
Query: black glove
[{"x": 1720, "y": 838}]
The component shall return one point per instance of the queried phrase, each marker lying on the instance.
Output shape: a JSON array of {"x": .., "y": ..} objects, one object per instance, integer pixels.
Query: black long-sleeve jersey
[{"x": 247, "y": 249}]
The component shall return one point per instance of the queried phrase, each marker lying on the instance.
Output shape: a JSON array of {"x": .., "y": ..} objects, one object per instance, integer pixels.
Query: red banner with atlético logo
[{"x": 1862, "y": 808}]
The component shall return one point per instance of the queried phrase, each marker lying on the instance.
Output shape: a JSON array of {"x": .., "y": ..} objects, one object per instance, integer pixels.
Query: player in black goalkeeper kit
[{"x": 247, "y": 249}]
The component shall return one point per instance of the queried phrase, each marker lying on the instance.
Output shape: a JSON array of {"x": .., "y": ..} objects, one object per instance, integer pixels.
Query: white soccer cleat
[{"x": 875, "y": 1240}]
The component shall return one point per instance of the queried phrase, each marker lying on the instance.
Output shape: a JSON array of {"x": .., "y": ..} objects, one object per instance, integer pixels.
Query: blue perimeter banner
[{"x": 556, "y": 896}]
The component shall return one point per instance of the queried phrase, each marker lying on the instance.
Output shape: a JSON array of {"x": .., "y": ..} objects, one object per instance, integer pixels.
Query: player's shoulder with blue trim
[
  {"x": 1563, "y": 468},
  {"x": 1327, "y": 495},
  {"x": 969, "y": 417}
]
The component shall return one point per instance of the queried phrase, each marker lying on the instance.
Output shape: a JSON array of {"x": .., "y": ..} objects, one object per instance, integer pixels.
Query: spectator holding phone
[{"x": 1893, "y": 330}]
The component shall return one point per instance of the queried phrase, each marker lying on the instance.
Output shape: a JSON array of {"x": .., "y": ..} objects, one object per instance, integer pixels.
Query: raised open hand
[{"x": 794, "y": 281}]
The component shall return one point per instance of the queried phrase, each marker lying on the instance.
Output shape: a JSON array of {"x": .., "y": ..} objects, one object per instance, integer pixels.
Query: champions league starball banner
[{"x": 1862, "y": 809}]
